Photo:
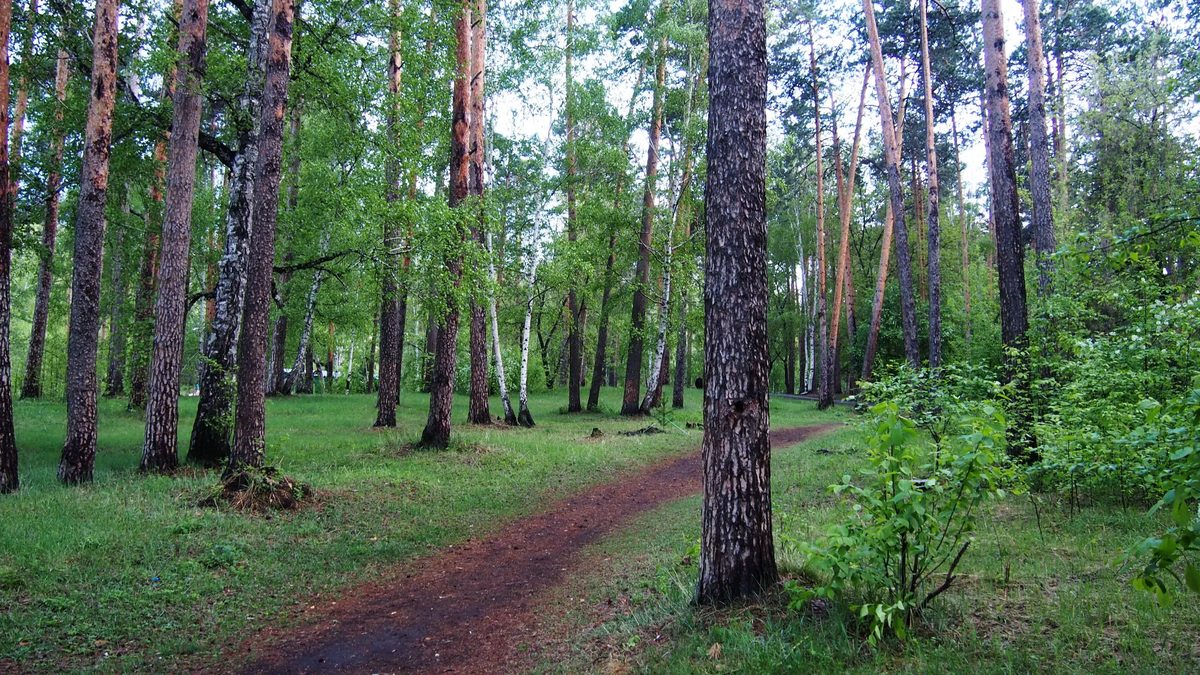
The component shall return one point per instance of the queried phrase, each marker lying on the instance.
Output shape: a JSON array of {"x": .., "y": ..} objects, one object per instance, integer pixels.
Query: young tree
[
  {"x": 1042, "y": 217},
  {"x": 737, "y": 551},
  {"x": 510, "y": 417},
  {"x": 79, "y": 450},
  {"x": 825, "y": 354},
  {"x": 524, "y": 417},
  {"x": 249, "y": 432},
  {"x": 9, "y": 481},
  {"x": 162, "y": 409},
  {"x": 1010, "y": 253},
  {"x": 891, "y": 147},
  {"x": 934, "y": 219}
]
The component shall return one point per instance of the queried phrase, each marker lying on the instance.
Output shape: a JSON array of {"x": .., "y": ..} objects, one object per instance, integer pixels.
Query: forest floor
[{"x": 131, "y": 574}]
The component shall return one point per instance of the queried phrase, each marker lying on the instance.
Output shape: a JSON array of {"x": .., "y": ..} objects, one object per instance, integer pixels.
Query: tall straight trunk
[
  {"x": 249, "y": 431},
  {"x": 934, "y": 223},
  {"x": 654, "y": 385},
  {"x": 985, "y": 115},
  {"x": 143, "y": 305},
  {"x": 310, "y": 312},
  {"x": 679, "y": 382},
  {"x": 441, "y": 391},
  {"x": 891, "y": 145},
  {"x": 330, "y": 351},
  {"x": 510, "y": 417},
  {"x": 630, "y": 405},
  {"x": 211, "y": 432},
  {"x": 1042, "y": 217},
  {"x": 845, "y": 189},
  {"x": 389, "y": 325},
  {"x": 79, "y": 449},
  {"x": 276, "y": 379},
  {"x": 524, "y": 418},
  {"x": 9, "y": 481},
  {"x": 349, "y": 366},
  {"x": 431, "y": 340},
  {"x": 825, "y": 384},
  {"x": 737, "y": 551},
  {"x": 369, "y": 365},
  {"x": 885, "y": 252},
  {"x": 115, "y": 378},
  {"x": 574, "y": 336},
  {"x": 32, "y": 387},
  {"x": 962, "y": 222},
  {"x": 159, "y": 452},
  {"x": 1010, "y": 254},
  {"x": 683, "y": 216},
  {"x": 477, "y": 405}
]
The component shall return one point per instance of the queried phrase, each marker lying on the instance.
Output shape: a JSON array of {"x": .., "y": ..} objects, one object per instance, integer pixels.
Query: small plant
[{"x": 914, "y": 518}]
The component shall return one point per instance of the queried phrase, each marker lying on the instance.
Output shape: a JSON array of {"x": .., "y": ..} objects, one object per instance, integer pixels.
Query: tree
[
  {"x": 9, "y": 481},
  {"x": 1010, "y": 253},
  {"x": 390, "y": 333},
  {"x": 249, "y": 432},
  {"x": 934, "y": 219},
  {"x": 211, "y": 432},
  {"x": 825, "y": 354},
  {"x": 845, "y": 189},
  {"x": 79, "y": 450},
  {"x": 477, "y": 408},
  {"x": 574, "y": 336},
  {"x": 162, "y": 409},
  {"x": 1042, "y": 217},
  {"x": 737, "y": 552}
]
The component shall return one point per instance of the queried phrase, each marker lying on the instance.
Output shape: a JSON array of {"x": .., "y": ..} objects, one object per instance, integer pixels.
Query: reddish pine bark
[
  {"x": 737, "y": 552},
  {"x": 79, "y": 449},
  {"x": 477, "y": 407},
  {"x": 934, "y": 218}
]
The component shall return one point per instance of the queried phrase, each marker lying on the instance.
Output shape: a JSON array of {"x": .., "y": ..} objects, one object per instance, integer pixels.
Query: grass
[
  {"x": 1025, "y": 605},
  {"x": 129, "y": 574}
]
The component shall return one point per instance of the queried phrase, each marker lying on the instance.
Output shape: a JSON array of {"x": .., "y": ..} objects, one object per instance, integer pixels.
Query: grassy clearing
[
  {"x": 129, "y": 574},
  {"x": 1024, "y": 606}
]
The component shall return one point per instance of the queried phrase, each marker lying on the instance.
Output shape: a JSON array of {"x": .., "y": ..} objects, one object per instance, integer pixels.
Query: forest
[{"x": 563, "y": 336}]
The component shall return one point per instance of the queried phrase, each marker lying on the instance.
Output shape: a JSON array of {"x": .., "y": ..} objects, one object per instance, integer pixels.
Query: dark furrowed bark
[
  {"x": 249, "y": 432},
  {"x": 212, "y": 429},
  {"x": 9, "y": 481},
  {"x": 1042, "y": 216},
  {"x": 79, "y": 449},
  {"x": 390, "y": 349},
  {"x": 477, "y": 406},
  {"x": 737, "y": 552},
  {"x": 159, "y": 452}
]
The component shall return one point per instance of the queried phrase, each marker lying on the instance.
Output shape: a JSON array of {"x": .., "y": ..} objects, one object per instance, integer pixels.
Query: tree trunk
[
  {"x": 601, "y": 357},
  {"x": 477, "y": 407},
  {"x": 574, "y": 337},
  {"x": 369, "y": 369},
  {"x": 1010, "y": 255},
  {"x": 633, "y": 364},
  {"x": 737, "y": 552},
  {"x": 654, "y": 386},
  {"x": 79, "y": 449},
  {"x": 845, "y": 188},
  {"x": 524, "y": 418},
  {"x": 249, "y": 432},
  {"x": 510, "y": 417},
  {"x": 1042, "y": 217},
  {"x": 825, "y": 383},
  {"x": 115, "y": 379},
  {"x": 935, "y": 229},
  {"x": 143, "y": 304},
  {"x": 160, "y": 453},
  {"x": 310, "y": 312},
  {"x": 276, "y": 379},
  {"x": 441, "y": 391},
  {"x": 211, "y": 432},
  {"x": 9, "y": 481},
  {"x": 891, "y": 145},
  {"x": 389, "y": 337},
  {"x": 962, "y": 221}
]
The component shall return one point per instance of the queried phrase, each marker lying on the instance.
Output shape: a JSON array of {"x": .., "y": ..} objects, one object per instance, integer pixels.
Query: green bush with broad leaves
[{"x": 914, "y": 515}]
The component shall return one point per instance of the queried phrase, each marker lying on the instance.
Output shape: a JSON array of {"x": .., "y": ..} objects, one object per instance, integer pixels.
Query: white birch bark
[{"x": 509, "y": 416}]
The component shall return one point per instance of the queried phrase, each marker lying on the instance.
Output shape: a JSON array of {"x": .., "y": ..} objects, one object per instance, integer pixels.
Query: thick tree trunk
[
  {"x": 389, "y": 325},
  {"x": 891, "y": 145},
  {"x": 32, "y": 387},
  {"x": 737, "y": 552},
  {"x": 1042, "y": 217},
  {"x": 9, "y": 481},
  {"x": 630, "y": 405},
  {"x": 524, "y": 418},
  {"x": 79, "y": 450},
  {"x": 212, "y": 430},
  {"x": 935, "y": 229},
  {"x": 441, "y": 390},
  {"x": 1010, "y": 254},
  {"x": 159, "y": 452},
  {"x": 249, "y": 432},
  {"x": 825, "y": 382},
  {"x": 477, "y": 406}
]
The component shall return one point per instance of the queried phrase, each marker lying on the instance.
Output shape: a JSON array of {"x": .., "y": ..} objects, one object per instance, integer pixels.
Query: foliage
[{"x": 914, "y": 518}]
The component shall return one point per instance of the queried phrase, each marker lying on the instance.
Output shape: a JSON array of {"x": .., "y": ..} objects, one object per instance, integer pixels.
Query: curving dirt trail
[{"x": 457, "y": 611}]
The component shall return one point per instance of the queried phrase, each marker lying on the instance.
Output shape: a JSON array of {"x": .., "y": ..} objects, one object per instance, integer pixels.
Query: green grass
[
  {"x": 1024, "y": 606},
  {"x": 129, "y": 574}
]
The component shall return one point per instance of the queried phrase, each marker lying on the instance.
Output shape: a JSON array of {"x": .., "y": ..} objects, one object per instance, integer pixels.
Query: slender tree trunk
[
  {"x": 1042, "y": 217},
  {"x": 934, "y": 222},
  {"x": 349, "y": 365},
  {"x": 32, "y": 387},
  {"x": 737, "y": 552},
  {"x": 601, "y": 357},
  {"x": 510, "y": 417},
  {"x": 633, "y": 365},
  {"x": 310, "y": 312},
  {"x": 825, "y": 383},
  {"x": 478, "y": 411},
  {"x": 845, "y": 188},
  {"x": 441, "y": 392},
  {"x": 213, "y": 427},
  {"x": 249, "y": 432},
  {"x": 962, "y": 221},
  {"x": 369, "y": 369},
  {"x": 9, "y": 481},
  {"x": 524, "y": 418},
  {"x": 574, "y": 337},
  {"x": 681, "y": 354},
  {"x": 885, "y": 252},
  {"x": 143, "y": 305},
  {"x": 115, "y": 379},
  {"x": 891, "y": 145},
  {"x": 654, "y": 386},
  {"x": 79, "y": 450},
  {"x": 1010, "y": 254}
]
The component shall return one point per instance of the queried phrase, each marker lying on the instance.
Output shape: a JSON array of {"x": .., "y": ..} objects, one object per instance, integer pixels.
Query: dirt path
[{"x": 456, "y": 611}]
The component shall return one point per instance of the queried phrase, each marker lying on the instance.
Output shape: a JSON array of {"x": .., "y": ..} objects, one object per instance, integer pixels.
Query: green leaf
[{"x": 1192, "y": 576}]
